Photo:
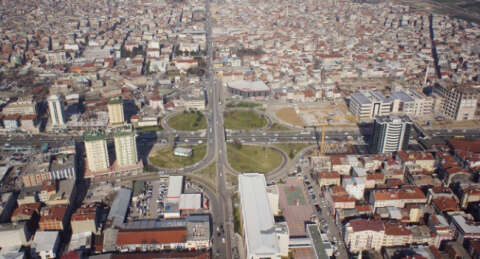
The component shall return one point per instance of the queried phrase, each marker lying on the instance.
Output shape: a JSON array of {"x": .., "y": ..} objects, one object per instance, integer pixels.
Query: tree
[{"x": 237, "y": 144}]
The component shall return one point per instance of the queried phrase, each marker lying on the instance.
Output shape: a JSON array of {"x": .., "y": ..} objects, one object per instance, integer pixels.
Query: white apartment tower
[
  {"x": 390, "y": 133},
  {"x": 56, "y": 110},
  {"x": 115, "y": 111},
  {"x": 125, "y": 146},
  {"x": 96, "y": 150}
]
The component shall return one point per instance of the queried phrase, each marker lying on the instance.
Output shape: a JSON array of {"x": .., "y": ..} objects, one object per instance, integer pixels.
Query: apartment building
[
  {"x": 23, "y": 106},
  {"x": 116, "y": 113},
  {"x": 367, "y": 105},
  {"x": 85, "y": 219},
  {"x": 53, "y": 218},
  {"x": 125, "y": 146},
  {"x": 457, "y": 102},
  {"x": 363, "y": 234},
  {"x": 397, "y": 197},
  {"x": 390, "y": 134},
  {"x": 96, "y": 150},
  {"x": 55, "y": 108}
]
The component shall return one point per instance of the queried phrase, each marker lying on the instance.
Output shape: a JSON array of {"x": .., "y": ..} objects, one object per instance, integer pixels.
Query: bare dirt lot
[{"x": 316, "y": 114}]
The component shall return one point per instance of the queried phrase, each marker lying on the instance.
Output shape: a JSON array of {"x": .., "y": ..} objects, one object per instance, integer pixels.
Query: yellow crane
[{"x": 321, "y": 144}]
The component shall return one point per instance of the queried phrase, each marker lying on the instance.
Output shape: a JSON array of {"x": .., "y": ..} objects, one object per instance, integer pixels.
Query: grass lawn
[
  {"x": 278, "y": 127},
  {"x": 243, "y": 119},
  {"x": 248, "y": 159},
  {"x": 149, "y": 128},
  {"x": 242, "y": 104},
  {"x": 209, "y": 173},
  {"x": 188, "y": 121},
  {"x": 237, "y": 218},
  {"x": 164, "y": 157},
  {"x": 292, "y": 149}
]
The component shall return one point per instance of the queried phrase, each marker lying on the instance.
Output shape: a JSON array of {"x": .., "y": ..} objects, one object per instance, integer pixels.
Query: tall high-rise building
[
  {"x": 125, "y": 146},
  {"x": 97, "y": 151},
  {"x": 115, "y": 111},
  {"x": 56, "y": 110},
  {"x": 390, "y": 133}
]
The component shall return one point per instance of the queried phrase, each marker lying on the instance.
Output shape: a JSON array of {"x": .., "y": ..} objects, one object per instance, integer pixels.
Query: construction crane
[{"x": 321, "y": 143}]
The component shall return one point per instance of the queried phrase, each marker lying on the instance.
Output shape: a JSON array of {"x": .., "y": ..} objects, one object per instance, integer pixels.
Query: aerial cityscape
[{"x": 227, "y": 129}]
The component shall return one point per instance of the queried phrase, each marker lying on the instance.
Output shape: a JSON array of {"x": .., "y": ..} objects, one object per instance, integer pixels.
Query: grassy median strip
[
  {"x": 164, "y": 157},
  {"x": 249, "y": 158},
  {"x": 188, "y": 121},
  {"x": 243, "y": 120},
  {"x": 208, "y": 173},
  {"x": 237, "y": 218}
]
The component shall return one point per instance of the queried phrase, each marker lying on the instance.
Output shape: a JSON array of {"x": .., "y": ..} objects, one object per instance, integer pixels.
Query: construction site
[{"x": 333, "y": 115}]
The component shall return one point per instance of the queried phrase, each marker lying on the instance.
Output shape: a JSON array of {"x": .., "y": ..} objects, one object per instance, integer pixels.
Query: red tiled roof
[
  {"x": 155, "y": 236},
  {"x": 28, "y": 117},
  {"x": 467, "y": 145},
  {"x": 27, "y": 209},
  {"x": 85, "y": 213},
  {"x": 176, "y": 255},
  {"x": 53, "y": 213},
  {"x": 392, "y": 194},
  {"x": 48, "y": 186},
  {"x": 11, "y": 117},
  {"x": 365, "y": 224},
  {"x": 329, "y": 175},
  {"x": 396, "y": 229},
  {"x": 445, "y": 204}
]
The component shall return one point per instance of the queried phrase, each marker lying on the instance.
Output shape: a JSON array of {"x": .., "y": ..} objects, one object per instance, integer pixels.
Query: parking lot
[{"x": 148, "y": 199}]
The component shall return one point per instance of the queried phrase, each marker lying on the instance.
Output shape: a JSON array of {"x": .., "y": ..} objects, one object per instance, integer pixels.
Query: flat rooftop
[
  {"x": 249, "y": 86},
  {"x": 260, "y": 236},
  {"x": 296, "y": 210}
]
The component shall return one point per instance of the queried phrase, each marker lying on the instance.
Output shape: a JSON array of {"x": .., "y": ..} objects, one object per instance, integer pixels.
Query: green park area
[
  {"x": 188, "y": 121},
  {"x": 243, "y": 120},
  {"x": 292, "y": 149},
  {"x": 164, "y": 157},
  {"x": 248, "y": 158}
]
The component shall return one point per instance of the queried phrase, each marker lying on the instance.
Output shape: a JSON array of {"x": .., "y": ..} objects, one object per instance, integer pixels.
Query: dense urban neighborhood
[{"x": 240, "y": 129}]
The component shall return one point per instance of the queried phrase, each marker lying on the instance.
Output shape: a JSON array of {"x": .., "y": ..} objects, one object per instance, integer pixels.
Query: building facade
[
  {"x": 96, "y": 150},
  {"x": 55, "y": 108},
  {"x": 115, "y": 111},
  {"x": 125, "y": 146},
  {"x": 390, "y": 134},
  {"x": 457, "y": 102}
]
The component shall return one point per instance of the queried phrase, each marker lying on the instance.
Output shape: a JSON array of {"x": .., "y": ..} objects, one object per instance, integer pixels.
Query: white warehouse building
[{"x": 263, "y": 237}]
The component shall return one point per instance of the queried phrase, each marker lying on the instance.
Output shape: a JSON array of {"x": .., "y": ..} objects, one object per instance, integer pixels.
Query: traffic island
[
  {"x": 188, "y": 121},
  {"x": 164, "y": 157},
  {"x": 244, "y": 120},
  {"x": 250, "y": 158}
]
